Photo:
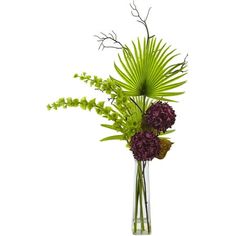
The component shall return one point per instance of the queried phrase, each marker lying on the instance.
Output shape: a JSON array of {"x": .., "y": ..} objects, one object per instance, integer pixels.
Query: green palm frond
[{"x": 147, "y": 70}]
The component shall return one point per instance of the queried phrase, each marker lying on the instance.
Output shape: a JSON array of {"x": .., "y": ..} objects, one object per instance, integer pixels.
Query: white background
[{"x": 56, "y": 178}]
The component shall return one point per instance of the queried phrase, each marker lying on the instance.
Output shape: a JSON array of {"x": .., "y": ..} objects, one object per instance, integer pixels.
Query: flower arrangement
[{"x": 138, "y": 109}]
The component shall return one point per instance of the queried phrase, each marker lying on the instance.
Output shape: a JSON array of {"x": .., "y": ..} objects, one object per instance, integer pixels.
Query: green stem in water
[
  {"x": 145, "y": 198},
  {"x": 136, "y": 203},
  {"x": 141, "y": 196},
  {"x": 141, "y": 214}
]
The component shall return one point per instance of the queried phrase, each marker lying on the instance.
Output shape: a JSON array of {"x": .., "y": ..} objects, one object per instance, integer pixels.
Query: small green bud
[
  {"x": 91, "y": 83},
  {"x": 93, "y": 101},
  {"x": 83, "y": 103},
  {"x": 113, "y": 96},
  {"x": 75, "y": 102},
  {"x": 95, "y": 79},
  {"x": 104, "y": 86},
  {"x": 101, "y": 104},
  {"x": 91, "y": 104},
  {"x": 69, "y": 101},
  {"x": 108, "y": 91},
  {"x": 107, "y": 110},
  {"x": 83, "y": 106},
  {"x": 83, "y": 76},
  {"x": 99, "y": 111},
  {"x": 87, "y": 77},
  {"x": 61, "y": 101},
  {"x": 114, "y": 116},
  {"x": 49, "y": 107},
  {"x": 54, "y": 105}
]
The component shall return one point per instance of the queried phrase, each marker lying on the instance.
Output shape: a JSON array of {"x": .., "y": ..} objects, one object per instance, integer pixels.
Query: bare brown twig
[
  {"x": 181, "y": 68},
  {"x": 112, "y": 37},
  {"x": 135, "y": 13}
]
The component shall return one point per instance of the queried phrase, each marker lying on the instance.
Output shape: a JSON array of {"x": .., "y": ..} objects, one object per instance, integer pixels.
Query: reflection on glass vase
[{"x": 141, "y": 224}]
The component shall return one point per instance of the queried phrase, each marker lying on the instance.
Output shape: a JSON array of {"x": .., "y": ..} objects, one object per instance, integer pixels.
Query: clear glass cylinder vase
[{"x": 141, "y": 224}]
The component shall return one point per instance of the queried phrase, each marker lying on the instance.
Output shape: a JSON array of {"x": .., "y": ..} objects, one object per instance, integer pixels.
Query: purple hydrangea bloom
[
  {"x": 160, "y": 116},
  {"x": 145, "y": 145}
]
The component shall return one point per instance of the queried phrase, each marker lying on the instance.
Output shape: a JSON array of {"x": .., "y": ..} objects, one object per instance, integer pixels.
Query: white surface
[{"x": 56, "y": 178}]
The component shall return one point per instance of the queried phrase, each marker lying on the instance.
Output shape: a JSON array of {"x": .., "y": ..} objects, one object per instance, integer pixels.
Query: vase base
[
  {"x": 142, "y": 233},
  {"x": 141, "y": 227}
]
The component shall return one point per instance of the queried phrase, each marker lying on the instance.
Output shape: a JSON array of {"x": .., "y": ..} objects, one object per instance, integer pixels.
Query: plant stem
[
  {"x": 141, "y": 212},
  {"x": 136, "y": 104},
  {"x": 144, "y": 104},
  {"x": 136, "y": 203},
  {"x": 145, "y": 198},
  {"x": 141, "y": 196}
]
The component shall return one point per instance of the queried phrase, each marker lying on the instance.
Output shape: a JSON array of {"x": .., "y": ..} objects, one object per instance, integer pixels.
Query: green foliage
[
  {"x": 125, "y": 115},
  {"x": 147, "y": 76},
  {"x": 114, "y": 137},
  {"x": 147, "y": 70},
  {"x": 167, "y": 132},
  {"x": 101, "y": 109}
]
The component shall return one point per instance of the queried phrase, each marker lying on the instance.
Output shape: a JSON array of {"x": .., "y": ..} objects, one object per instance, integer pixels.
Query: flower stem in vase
[{"x": 141, "y": 217}]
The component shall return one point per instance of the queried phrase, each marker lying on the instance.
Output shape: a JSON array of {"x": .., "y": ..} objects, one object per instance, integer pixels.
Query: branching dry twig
[
  {"x": 136, "y": 14},
  {"x": 102, "y": 38},
  {"x": 112, "y": 37},
  {"x": 182, "y": 66},
  {"x": 185, "y": 63}
]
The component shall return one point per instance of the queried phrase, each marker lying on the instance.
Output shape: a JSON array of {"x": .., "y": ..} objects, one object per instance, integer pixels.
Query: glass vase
[{"x": 141, "y": 224}]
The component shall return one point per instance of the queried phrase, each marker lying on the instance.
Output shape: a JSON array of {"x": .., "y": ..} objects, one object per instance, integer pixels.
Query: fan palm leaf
[{"x": 148, "y": 70}]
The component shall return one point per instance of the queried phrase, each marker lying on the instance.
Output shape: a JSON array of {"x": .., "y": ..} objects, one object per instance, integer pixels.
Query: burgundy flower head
[
  {"x": 160, "y": 116},
  {"x": 145, "y": 145}
]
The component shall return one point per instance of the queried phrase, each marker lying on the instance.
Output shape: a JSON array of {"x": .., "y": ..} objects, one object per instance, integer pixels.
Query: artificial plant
[{"x": 138, "y": 96}]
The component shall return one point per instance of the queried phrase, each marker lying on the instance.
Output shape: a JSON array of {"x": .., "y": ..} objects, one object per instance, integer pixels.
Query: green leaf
[
  {"x": 167, "y": 132},
  {"x": 164, "y": 99},
  {"x": 114, "y": 137},
  {"x": 110, "y": 127},
  {"x": 168, "y": 94},
  {"x": 172, "y": 86}
]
